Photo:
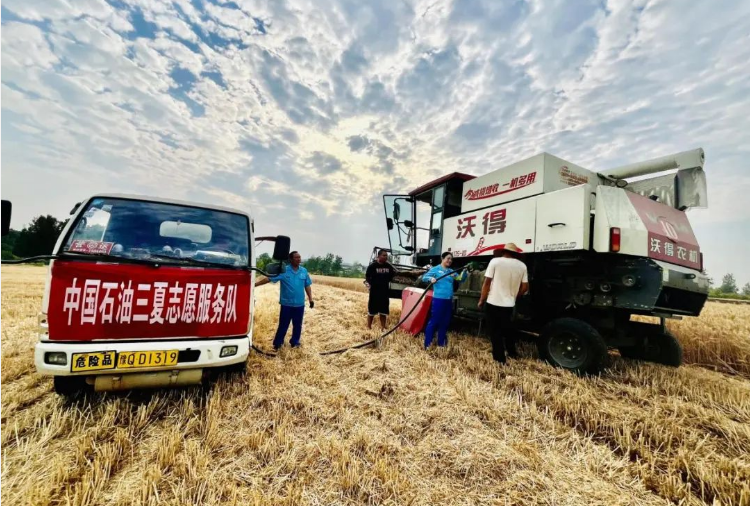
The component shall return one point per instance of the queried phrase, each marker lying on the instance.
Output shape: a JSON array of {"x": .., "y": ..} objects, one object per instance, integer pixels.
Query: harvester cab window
[
  {"x": 430, "y": 221},
  {"x": 399, "y": 214}
]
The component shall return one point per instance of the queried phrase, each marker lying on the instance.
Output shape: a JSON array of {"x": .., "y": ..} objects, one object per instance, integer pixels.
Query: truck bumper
[{"x": 193, "y": 354}]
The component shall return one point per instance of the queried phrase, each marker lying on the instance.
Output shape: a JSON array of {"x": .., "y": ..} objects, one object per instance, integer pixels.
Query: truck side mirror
[
  {"x": 273, "y": 269},
  {"x": 389, "y": 223},
  {"x": 281, "y": 247},
  {"x": 408, "y": 224},
  {"x": 7, "y": 207}
]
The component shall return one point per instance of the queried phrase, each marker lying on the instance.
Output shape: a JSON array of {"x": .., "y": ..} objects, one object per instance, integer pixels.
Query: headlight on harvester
[
  {"x": 628, "y": 280},
  {"x": 56, "y": 358},
  {"x": 228, "y": 351}
]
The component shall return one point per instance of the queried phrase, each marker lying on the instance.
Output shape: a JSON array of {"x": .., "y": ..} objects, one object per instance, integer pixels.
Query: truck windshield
[{"x": 163, "y": 232}]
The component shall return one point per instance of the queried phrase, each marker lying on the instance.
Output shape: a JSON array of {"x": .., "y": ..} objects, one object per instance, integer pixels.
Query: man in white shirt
[{"x": 505, "y": 280}]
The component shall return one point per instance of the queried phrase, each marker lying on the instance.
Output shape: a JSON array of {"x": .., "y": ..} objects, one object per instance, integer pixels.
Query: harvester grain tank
[{"x": 601, "y": 247}]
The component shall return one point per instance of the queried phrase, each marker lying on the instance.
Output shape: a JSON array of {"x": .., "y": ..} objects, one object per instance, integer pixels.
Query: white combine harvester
[{"x": 600, "y": 247}]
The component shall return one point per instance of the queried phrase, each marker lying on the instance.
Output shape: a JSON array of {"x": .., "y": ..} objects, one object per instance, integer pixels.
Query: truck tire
[
  {"x": 69, "y": 386},
  {"x": 574, "y": 345},
  {"x": 658, "y": 347}
]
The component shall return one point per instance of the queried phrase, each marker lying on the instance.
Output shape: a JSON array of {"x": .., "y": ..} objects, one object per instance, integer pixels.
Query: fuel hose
[{"x": 384, "y": 335}]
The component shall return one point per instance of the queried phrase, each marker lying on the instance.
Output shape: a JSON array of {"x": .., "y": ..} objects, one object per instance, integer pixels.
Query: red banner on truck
[
  {"x": 670, "y": 236},
  {"x": 91, "y": 300}
]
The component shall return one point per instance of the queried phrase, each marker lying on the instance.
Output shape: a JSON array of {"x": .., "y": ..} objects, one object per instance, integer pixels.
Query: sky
[{"x": 305, "y": 113}]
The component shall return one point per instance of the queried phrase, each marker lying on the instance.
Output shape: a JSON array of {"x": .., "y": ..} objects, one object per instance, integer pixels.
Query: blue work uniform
[
  {"x": 442, "y": 303},
  {"x": 292, "y": 300}
]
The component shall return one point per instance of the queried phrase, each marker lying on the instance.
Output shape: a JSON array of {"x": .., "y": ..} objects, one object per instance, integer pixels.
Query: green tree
[
  {"x": 263, "y": 260},
  {"x": 746, "y": 290},
  {"x": 39, "y": 237},
  {"x": 8, "y": 243},
  {"x": 312, "y": 264},
  {"x": 336, "y": 266},
  {"x": 728, "y": 284},
  {"x": 326, "y": 264}
]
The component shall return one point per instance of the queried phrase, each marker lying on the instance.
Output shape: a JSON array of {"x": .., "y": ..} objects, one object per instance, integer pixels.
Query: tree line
[
  {"x": 37, "y": 238},
  {"x": 326, "y": 265},
  {"x": 729, "y": 288}
]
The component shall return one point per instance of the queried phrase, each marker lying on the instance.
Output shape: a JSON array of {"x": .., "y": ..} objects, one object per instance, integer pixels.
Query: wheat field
[{"x": 390, "y": 425}]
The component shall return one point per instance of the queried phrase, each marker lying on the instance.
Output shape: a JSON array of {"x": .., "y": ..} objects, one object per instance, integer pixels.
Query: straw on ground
[{"x": 392, "y": 425}]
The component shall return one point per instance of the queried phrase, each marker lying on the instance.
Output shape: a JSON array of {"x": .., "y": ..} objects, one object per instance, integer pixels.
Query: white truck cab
[{"x": 148, "y": 292}]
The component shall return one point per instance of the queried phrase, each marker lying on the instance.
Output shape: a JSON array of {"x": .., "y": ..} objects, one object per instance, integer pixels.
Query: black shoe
[{"x": 298, "y": 345}]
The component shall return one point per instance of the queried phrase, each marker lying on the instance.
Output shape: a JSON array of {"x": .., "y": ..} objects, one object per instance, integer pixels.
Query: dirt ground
[{"x": 392, "y": 425}]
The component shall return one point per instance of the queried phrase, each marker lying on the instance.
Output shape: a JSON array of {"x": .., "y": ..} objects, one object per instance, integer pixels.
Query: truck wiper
[
  {"x": 193, "y": 261},
  {"x": 101, "y": 258}
]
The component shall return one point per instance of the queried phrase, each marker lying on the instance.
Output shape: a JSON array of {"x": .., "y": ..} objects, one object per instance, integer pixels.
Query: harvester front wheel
[{"x": 574, "y": 345}]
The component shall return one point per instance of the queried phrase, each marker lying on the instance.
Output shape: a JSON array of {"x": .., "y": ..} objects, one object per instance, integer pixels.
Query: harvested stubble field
[{"x": 393, "y": 425}]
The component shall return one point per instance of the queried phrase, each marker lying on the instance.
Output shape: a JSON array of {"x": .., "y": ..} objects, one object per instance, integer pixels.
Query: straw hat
[{"x": 510, "y": 248}]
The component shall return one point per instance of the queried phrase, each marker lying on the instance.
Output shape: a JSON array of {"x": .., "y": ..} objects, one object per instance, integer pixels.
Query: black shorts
[{"x": 378, "y": 303}]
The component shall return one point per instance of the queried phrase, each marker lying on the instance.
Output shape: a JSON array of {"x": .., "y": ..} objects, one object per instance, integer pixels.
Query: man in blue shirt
[{"x": 295, "y": 282}]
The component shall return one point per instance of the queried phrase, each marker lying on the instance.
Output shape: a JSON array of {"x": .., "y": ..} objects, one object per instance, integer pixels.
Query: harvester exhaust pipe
[
  {"x": 114, "y": 382},
  {"x": 685, "y": 160}
]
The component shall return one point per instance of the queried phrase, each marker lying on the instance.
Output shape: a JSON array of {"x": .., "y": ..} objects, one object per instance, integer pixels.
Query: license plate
[
  {"x": 94, "y": 361},
  {"x": 133, "y": 359}
]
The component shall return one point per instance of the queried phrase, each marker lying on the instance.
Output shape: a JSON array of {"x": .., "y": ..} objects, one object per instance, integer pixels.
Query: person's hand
[
  {"x": 312, "y": 304},
  {"x": 480, "y": 304},
  {"x": 433, "y": 280},
  {"x": 367, "y": 285}
]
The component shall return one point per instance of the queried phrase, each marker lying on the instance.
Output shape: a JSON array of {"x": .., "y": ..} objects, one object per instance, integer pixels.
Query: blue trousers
[
  {"x": 293, "y": 315},
  {"x": 440, "y": 318}
]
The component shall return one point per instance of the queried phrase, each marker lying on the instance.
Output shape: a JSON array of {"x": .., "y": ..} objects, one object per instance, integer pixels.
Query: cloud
[
  {"x": 314, "y": 110},
  {"x": 324, "y": 163}
]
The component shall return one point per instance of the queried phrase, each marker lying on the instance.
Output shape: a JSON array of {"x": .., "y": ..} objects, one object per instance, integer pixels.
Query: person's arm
[
  {"x": 308, "y": 290},
  {"x": 488, "y": 275},
  {"x": 262, "y": 281},
  {"x": 429, "y": 276},
  {"x": 462, "y": 277},
  {"x": 485, "y": 292},
  {"x": 524, "y": 283},
  {"x": 368, "y": 275}
]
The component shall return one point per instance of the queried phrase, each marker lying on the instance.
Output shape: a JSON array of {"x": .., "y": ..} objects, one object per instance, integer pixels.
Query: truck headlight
[
  {"x": 228, "y": 351},
  {"x": 56, "y": 358}
]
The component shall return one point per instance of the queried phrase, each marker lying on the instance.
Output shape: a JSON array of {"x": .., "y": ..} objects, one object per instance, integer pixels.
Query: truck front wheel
[
  {"x": 656, "y": 346},
  {"x": 572, "y": 344},
  {"x": 69, "y": 386}
]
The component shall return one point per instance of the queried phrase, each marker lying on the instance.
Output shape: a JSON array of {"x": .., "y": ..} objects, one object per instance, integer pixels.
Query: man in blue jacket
[
  {"x": 295, "y": 282},
  {"x": 442, "y": 299}
]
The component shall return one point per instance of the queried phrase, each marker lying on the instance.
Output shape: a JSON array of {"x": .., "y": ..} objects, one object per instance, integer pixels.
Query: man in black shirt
[{"x": 377, "y": 277}]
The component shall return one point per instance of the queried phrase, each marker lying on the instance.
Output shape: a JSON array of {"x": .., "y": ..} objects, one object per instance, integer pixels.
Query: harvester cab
[
  {"x": 148, "y": 292},
  {"x": 600, "y": 247}
]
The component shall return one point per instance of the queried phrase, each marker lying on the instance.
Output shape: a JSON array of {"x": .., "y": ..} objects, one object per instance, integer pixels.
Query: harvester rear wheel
[
  {"x": 658, "y": 346},
  {"x": 574, "y": 345}
]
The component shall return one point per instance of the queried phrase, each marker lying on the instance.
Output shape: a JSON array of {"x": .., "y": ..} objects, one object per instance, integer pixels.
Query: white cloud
[{"x": 256, "y": 106}]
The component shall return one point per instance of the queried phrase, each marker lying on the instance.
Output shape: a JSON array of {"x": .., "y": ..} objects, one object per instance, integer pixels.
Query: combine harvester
[
  {"x": 600, "y": 248},
  {"x": 147, "y": 292}
]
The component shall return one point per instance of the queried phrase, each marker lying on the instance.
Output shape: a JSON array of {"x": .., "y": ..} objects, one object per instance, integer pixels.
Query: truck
[
  {"x": 147, "y": 292},
  {"x": 601, "y": 248}
]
